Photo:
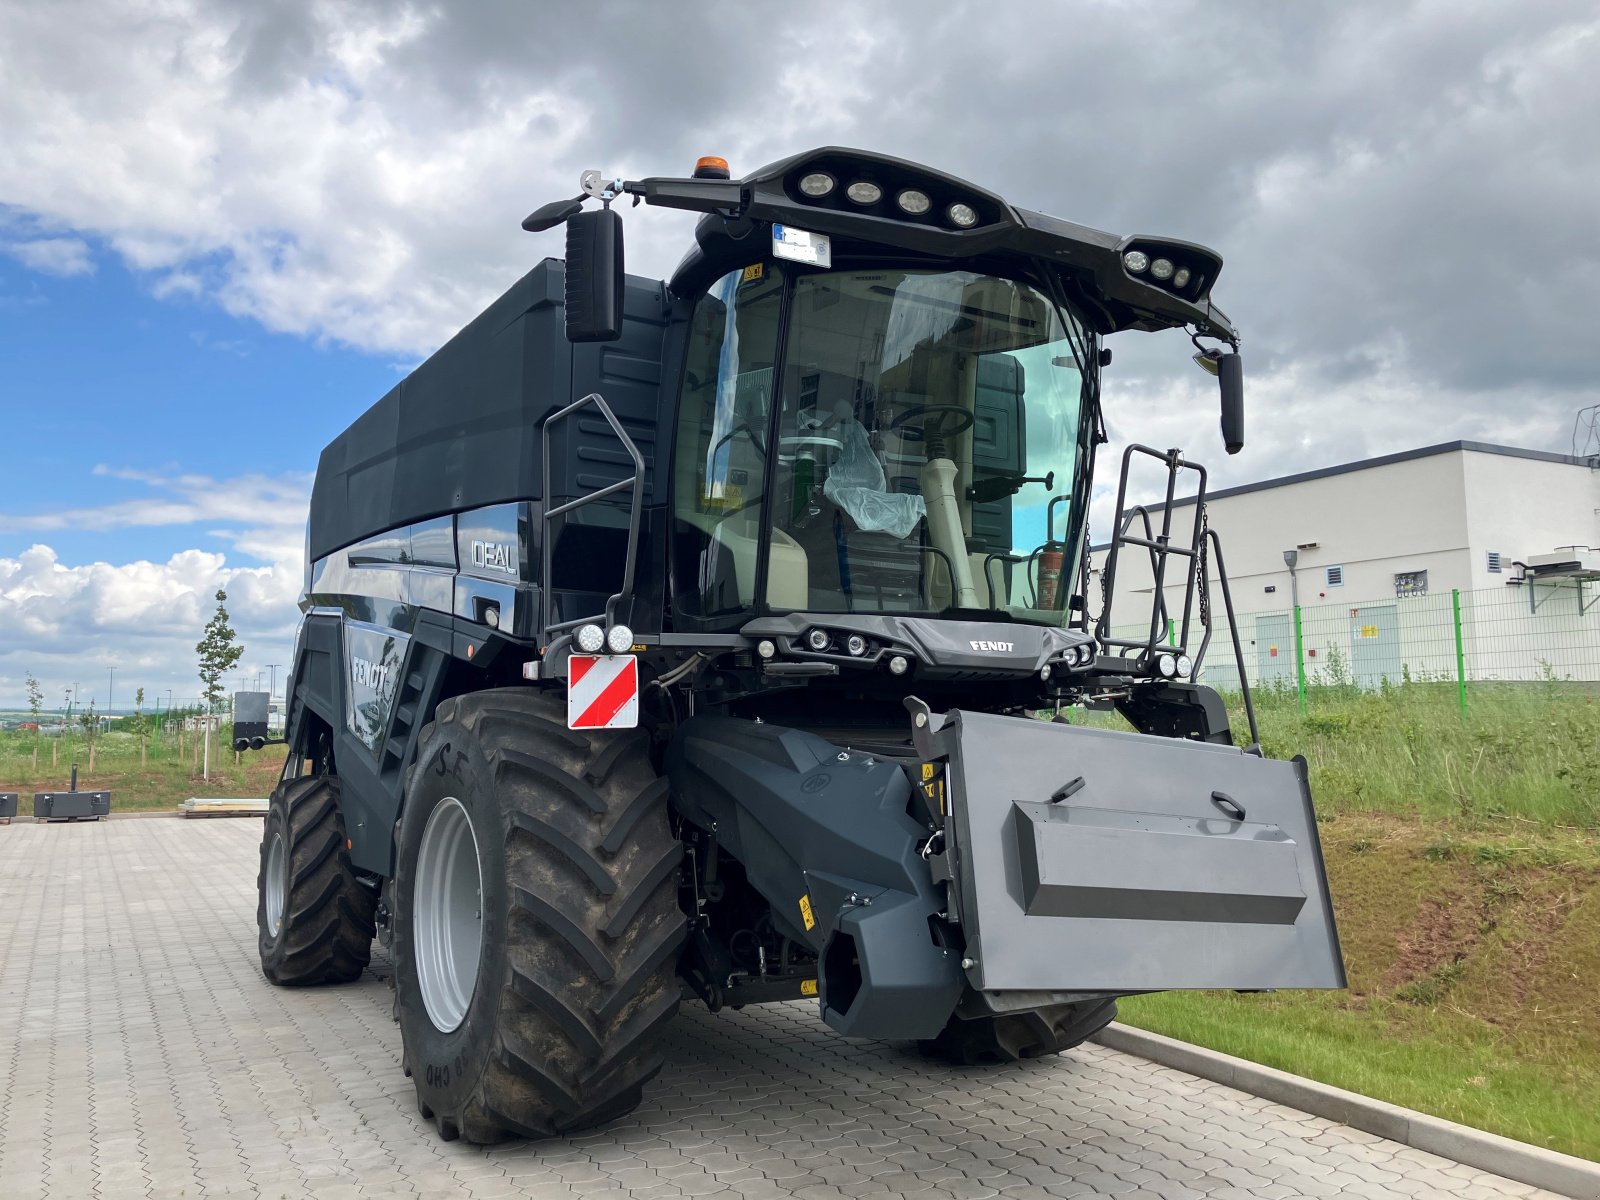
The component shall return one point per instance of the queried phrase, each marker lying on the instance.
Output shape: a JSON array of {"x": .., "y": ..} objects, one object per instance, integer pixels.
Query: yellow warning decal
[
  {"x": 753, "y": 272},
  {"x": 805, "y": 913},
  {"x": 808, "y": 987},
  {"x": 933, "y": 786}
]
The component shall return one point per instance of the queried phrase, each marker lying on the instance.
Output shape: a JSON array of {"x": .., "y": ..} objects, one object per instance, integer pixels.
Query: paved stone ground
[{"x": 142, "y": 1054}]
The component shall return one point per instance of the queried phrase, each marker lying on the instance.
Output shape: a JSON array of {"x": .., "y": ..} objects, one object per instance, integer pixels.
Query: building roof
[{"x": 1384, "y": 460}]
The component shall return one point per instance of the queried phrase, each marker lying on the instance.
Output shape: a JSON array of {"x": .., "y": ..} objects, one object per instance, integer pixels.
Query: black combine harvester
[{"x": 690, "y": 638}]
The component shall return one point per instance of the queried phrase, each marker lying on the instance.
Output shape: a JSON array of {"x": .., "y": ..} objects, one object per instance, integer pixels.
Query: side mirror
[
  {"x": 594, "y": 276},
  {"x": 1230, "y": 380}
]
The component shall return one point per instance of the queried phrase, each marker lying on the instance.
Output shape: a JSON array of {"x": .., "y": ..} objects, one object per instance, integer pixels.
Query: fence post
[
  {"x": 1461, "y": 654},
  {"x": 1299, "y": 661}
]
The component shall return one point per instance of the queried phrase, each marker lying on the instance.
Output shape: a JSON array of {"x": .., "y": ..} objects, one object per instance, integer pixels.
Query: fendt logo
[
  {"x": 993, "y": 647},
  {"x": 494, "y": 556},
  {"x": 369, "y": 674}
]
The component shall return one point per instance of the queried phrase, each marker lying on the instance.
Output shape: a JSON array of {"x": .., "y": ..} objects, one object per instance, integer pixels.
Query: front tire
[
  {"x": 314, "y": 918},
  {"x": 536, "y": 919},
  {"x": 1034, "y": 1033}
]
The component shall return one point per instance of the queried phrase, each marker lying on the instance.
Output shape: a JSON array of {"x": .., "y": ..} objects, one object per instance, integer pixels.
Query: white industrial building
[{"x": 1379, "y": 555}]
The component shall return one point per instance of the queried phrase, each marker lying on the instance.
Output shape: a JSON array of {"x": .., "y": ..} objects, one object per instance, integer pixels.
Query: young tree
[
  {"x": 138, "y": 722},
  {"x": 35, "y": 708},
  {"x": 219, "y": 651},
  {"x": 66, "y": 725},
  {"x": 90, "y": 720}
]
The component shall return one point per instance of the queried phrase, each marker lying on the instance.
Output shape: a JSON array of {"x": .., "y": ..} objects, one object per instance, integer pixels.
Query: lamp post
[{"x": 1290, "y": 558}]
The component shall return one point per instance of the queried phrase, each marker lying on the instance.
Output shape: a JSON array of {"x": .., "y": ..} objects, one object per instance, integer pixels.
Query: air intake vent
[
  {"x": 1494, "y": 562},
  {"x": 1335, "y": 577}
]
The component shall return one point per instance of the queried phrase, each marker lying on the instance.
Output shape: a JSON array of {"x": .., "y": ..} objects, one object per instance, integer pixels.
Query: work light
[
  {"x": 863, "y": 192},
  {"x": 590, "y": 638},
  {"x": 1136, "y": 261},
  {"x": 816, "y": 185},
  {"x": 1161, "y": 268},
  {"x": 914, "y": 202},
  {"x": 963, "y": 215},
  {"x": 619, "y": 639}
]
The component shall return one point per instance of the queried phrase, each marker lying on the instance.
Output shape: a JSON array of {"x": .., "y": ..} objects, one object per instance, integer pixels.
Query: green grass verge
[
  {"x": 161, "y": 779},
  {"x": 1474, "y": 963},
  {"x": 1522, "y": 754},
  {"x": 1434, "y": 1061}
]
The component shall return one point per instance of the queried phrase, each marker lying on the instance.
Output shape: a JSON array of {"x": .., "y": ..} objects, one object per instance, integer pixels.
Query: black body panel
[
  {"x": 825, "y": 834},
  {"x": 371, "y": 781},
  {"x": 463, "y": 430}
]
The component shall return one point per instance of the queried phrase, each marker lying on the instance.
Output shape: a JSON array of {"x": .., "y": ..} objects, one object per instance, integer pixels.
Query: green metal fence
[{"x": 1504, "y": 634}]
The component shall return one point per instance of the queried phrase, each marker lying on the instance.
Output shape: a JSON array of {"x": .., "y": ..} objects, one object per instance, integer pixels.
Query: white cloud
[
  {"x": 184, "y": 499},
  {"x": 64, "y": 256},
  {"x": 67, "y": 622},
  {"x": 1415, "y": 177}
]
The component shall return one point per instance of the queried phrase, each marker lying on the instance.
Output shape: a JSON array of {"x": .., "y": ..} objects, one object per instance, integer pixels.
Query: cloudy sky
[{"x": 226, "y": 227}]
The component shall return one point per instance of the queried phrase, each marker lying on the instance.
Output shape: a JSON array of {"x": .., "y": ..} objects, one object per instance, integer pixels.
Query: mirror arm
[{"x": 693, "y": 195}]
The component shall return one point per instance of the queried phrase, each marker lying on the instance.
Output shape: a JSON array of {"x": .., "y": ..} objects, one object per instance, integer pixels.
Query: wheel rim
[
  {"x": 277, "y": 883},
  {"x": 447, "y": 914}
]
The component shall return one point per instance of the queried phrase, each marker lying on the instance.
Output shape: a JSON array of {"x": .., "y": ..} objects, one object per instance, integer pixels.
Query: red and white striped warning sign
[{"x": 602, "y": 691}]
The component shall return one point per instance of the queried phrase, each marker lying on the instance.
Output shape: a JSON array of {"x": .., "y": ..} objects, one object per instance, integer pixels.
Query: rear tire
[
  {"x": 314, "y": 918},
  {"x": 551, "y": 1020},
  {"x": 970, "y": 1041}
]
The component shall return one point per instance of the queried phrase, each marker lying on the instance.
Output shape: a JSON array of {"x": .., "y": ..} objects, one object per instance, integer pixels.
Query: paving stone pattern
[{"x": 142, "y": 1054}]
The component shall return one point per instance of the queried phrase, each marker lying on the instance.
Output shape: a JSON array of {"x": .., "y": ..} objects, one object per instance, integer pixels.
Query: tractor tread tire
[
  {"x": 592, "y": 925},
  {"x": 1010, "y": 1037},
  {"x": 328, "y": 923}
]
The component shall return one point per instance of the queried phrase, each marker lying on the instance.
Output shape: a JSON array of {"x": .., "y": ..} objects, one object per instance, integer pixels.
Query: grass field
[
  {"x": 1464, "y": 860},
  {"x": 164, "y": 780}
]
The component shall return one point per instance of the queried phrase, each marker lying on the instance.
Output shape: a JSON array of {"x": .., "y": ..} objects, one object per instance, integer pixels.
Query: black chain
[{"x": 1200, "y": 568}]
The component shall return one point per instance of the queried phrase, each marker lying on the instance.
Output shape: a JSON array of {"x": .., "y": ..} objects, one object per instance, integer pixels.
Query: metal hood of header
[{"x": 1092, "y": 259}]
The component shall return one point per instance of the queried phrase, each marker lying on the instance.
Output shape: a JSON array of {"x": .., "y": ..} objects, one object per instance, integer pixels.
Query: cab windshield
[{"x": 918, "y": 446}]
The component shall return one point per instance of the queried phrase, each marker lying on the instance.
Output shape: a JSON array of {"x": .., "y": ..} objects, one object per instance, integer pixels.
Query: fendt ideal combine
[{"x": 698, "y": 638}]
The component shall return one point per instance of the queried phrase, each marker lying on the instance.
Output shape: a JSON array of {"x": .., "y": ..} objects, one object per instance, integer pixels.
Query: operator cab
[{"x": 907, "y": 439}]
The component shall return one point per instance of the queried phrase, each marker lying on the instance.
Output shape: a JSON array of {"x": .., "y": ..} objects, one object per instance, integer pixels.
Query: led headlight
[
  {"x": 1185, "y": 666},
  {"x": 1137, "y": 261},
  {"x": 962, "y": 215},
  {"x": 817, "y": 639},
  {"x": 765, "y": 648},
  {"x": 863, "y": 192},
  {"x": 914, "y": 202},
  {"x": 1085, "y": 655},
  {"x": 899, "y": 665},
  {"x": 619, "y": 640},
  {"x": 1161, "y": 268},
  {"x": 856, "y": 645},
  {"x": 590, "y": 638},
  {"x": 816, "y": 185},
  {"x": 1044, "y": 673},
  {"x": 1167, "y": 665},
  {"x": 1181, "y": 279}
]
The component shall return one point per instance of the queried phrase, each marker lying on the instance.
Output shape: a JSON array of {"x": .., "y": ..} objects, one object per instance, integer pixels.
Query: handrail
[
  {"x": 1233, "y": 629},
  {"x": 1159, "y": 547},
  {"x": 547, "y": 547}
]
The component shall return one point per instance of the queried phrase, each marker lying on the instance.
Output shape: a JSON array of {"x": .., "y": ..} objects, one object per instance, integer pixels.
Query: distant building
[{"x": 1378, "y": 548}]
